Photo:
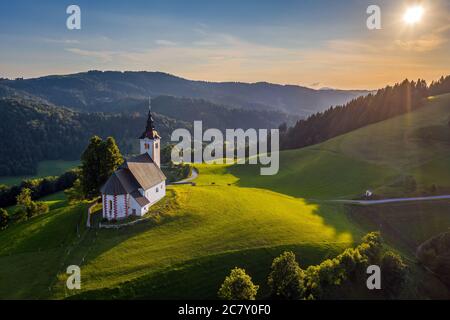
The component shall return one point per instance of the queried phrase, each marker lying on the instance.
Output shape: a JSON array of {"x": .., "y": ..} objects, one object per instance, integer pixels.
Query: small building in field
[
  {"x": 368, "y": 194},
  {"x": 139, "y": 182}
]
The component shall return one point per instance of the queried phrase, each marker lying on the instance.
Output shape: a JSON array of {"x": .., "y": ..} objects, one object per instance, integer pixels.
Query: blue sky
[{"x": 313, "y": 43}]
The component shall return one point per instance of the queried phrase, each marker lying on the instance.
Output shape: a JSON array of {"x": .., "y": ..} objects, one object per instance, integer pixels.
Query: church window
[
  {"x": 157, "y": 189},
  {"x": 110, "y": 207},
  {"x": 156, "y": 145}
]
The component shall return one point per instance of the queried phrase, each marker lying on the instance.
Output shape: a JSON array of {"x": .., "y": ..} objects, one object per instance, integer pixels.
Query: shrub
[
  {"x": 20, "y": 214},
  {"x": 24, "y": 198},
  {"x": 4, "y": 218},
  {"x": 75, "y": 193},
  {"x": 372, "y": 247},
  {"x": 29, "y": 207},
  {"x": 393, "y": 272},
  {"x": 238, "y": 286}
]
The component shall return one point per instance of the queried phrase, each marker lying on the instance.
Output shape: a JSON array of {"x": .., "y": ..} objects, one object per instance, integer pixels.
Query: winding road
[
  {"x": 381, "y": 201},
  {"x": 194, "y": 174}
]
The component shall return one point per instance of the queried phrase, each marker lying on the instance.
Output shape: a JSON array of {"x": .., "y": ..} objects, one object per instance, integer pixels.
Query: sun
[{"x": 413, "y": 15}]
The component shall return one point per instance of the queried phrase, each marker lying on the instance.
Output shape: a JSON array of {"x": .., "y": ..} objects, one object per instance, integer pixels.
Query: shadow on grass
[
  {"x": 314, "y": 174},
  {"x": 201, "y": 278},
  {"x": 96, "y": 241},
  {"x": 312, "y": 192}
]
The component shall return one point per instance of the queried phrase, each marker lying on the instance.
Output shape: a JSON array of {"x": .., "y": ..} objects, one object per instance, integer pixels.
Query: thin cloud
[
  {"x": 163, "y": 42},
  {"x": 61, "y": 41},
  {"x": 423, "y": 44},
  {"x": 104, "y": 56}
]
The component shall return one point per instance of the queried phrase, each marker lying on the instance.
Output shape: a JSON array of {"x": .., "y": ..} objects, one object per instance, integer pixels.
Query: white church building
[{"x": 139, "y": 182}]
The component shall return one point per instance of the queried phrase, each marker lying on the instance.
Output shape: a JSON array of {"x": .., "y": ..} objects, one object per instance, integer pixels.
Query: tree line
[
  {"x": 32, "y": 131},
  {"x": 386, "y": 103},
  {"x": 39, "y": 187},
  {"x": 331, "y": 279}
]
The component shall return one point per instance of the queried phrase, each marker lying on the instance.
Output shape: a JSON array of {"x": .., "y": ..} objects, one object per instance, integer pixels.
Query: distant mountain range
[{"x": 104, "y": 90}]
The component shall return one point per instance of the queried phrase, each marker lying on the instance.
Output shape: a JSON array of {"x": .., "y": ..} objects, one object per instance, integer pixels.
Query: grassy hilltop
[{"x": 234, "y": 217}]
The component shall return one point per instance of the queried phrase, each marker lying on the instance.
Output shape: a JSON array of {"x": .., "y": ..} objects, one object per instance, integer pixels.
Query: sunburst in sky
[{"x": 413, "y": 14}]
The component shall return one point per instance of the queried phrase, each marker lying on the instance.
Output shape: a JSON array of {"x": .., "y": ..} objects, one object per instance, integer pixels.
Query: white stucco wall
[
  {"x": 154, "y": 194},
  {"x": 134, "y": 207},
  {"x": 153, "y": 151}
]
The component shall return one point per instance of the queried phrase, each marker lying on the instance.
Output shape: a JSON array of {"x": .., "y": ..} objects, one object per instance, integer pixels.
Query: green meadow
[
  {"x": 403, "y": 156},
  {"x": 235, "y": 217}
]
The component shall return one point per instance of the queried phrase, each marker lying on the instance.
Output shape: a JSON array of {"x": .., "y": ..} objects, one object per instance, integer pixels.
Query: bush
[
  {"x": 393, "y": 272},
  {"x": 29, "y": 207},
  {"x": 238, "y": 286},
  {"x": 75, "y": 193},
  {"x": 323, "y": 278},
  {"x": 286, "y": 277},
  {"x": 4, "y": 218},
  {"x": 372, "y": 247},
  {"x": 20, "y": 214}
]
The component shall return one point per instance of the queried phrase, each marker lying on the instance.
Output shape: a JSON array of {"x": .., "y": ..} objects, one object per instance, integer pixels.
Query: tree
[
  {"x": 353, "y": 262},
  {"x": 4, "y": 218},
  {"x": 28, "y": 206},
  {"x": 111, "y": 159},
  {"x": 393, "y": 272},
  {"x": 166, "y": 156},
  {"x": 238, "y": 286},
  {"x": 75, "y": 193},
  {"x": 24, "y": 198},
  {"x": 98, "y": 161},
  {"x": 286, "y": 277},
  {"x": 90, "y": 167},
  {"x": 372, "y": 247}
]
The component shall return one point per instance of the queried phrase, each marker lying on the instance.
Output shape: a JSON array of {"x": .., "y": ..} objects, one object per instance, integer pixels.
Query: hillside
[
  {"x": 254, "y": 218},
  {"x": 31, "y": 131},
  {"x": 92, "y": 91},
  {"x": 62, "y": 134},
  {"x": 247, "y": 227},
  {"x": 405, "y": 155}
]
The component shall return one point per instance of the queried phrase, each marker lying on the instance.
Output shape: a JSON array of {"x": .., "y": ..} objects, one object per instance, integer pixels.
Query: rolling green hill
[
  {"x": 246, "y": 222},
  {"x": 234, "y": 217},
  {"x": 405, "y": 155}
]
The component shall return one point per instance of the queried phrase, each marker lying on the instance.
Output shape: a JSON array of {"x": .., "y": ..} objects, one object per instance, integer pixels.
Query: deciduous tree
[
  {"x": 238, "y": 286},
  {"x": 286, "y": 277},
  {"x": 98, "y": 162}
]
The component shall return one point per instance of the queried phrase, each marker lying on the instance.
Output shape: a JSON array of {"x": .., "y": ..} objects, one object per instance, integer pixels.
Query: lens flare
[{"x": 413, "y": 15}]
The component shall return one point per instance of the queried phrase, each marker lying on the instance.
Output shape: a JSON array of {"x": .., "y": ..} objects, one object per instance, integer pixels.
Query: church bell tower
[{"x": 150, "y": 139}]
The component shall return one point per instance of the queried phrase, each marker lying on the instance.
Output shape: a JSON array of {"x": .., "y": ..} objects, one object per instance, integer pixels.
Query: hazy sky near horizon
[{"x": 320, "y": 43}]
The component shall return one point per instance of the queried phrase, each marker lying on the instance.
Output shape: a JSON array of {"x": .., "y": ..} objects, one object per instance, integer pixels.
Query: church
[{"x": 139, "y": 182}]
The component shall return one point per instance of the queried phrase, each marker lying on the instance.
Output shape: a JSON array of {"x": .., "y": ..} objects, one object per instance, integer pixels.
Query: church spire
[{"x": 150, "y": 131}]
